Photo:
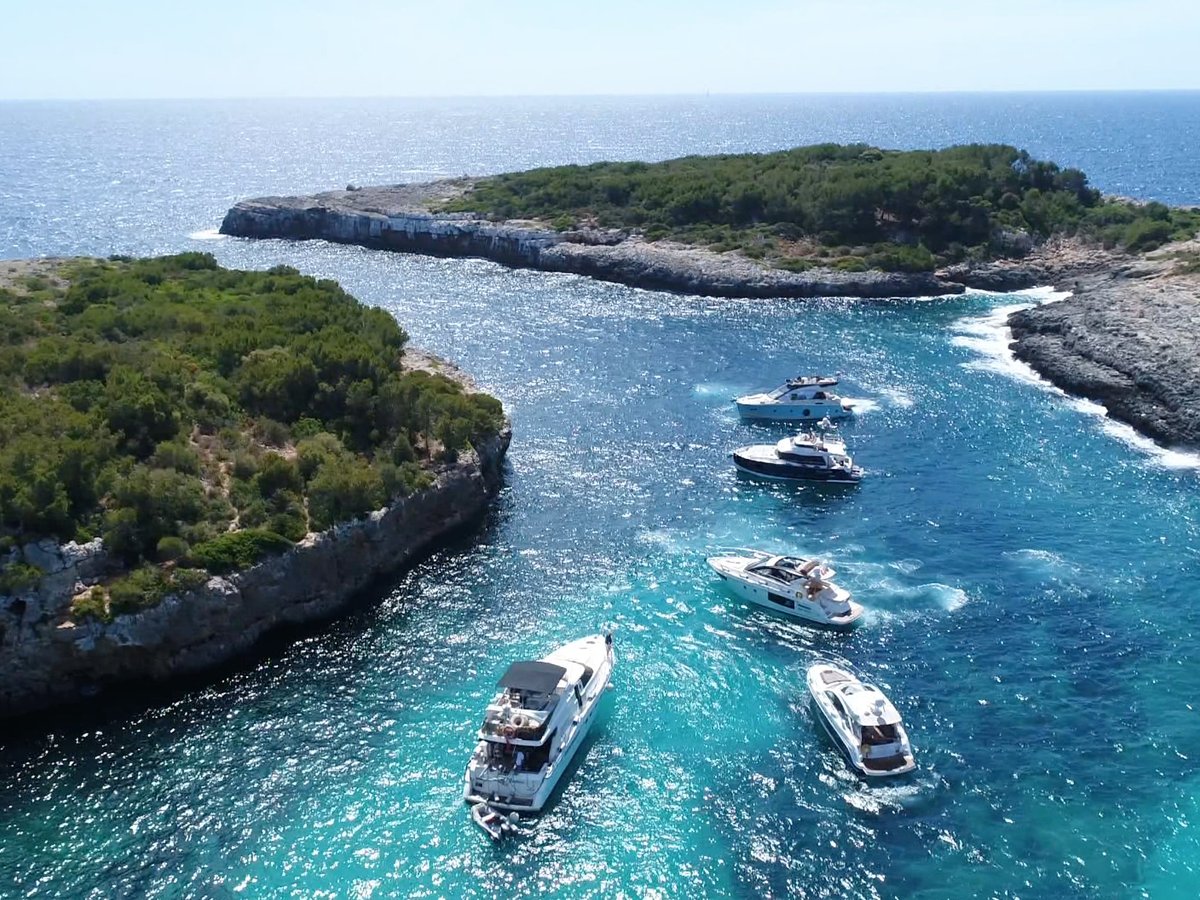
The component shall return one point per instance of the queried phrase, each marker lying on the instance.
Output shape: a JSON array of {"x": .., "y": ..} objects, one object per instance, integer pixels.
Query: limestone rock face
[
  {"x": 46, "y": 658},
  {"x": 398, "y": 218},
  {"x": 1128, "y": 340}
]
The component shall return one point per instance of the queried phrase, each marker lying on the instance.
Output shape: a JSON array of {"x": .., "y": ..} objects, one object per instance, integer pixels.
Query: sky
[{"x": 71, "y": 49}]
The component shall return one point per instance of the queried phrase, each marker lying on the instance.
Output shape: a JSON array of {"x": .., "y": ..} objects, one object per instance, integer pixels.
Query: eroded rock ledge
[
  {"x": 398, "y": 218},
  {"x": 1126, "y": 338},
  {"x": 47, "y": 659}
]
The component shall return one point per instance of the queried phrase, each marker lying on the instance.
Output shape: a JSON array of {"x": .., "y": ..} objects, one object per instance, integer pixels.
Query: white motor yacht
[
  {"x": 790, "y": 585},
  {"x": 536, "y": 723},
  {"x": 806, "y": 398},
  {"x": 861, "y": 720},
  {"x": 807, "y": 456}
]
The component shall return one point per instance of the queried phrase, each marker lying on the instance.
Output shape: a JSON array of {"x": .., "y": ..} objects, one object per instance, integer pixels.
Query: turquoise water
[{"x": 1030, "y": 574}]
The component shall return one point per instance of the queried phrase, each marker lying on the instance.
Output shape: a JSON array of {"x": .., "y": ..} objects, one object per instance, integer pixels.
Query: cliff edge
[
  {"x": 1127, "y": 339},
  {"x": 48, "y": 658},
  {"x": 399, "y": 218}
]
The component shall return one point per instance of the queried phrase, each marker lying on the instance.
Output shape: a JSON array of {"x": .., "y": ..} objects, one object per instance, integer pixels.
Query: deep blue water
[{"x": 1030, "y": 571}]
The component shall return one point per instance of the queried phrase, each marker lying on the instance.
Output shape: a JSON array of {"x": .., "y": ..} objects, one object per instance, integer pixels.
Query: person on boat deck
[{"x": 519, "y": 765}]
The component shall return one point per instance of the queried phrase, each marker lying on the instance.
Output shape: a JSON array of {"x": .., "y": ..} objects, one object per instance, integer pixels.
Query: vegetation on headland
[
  {"x": 851, "y": 206},
  {"x": 199, "y": 418}
]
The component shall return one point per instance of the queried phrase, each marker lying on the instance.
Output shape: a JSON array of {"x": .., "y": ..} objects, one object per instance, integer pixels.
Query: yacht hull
[
  {"x": 826, "y": 715},
  {"x": 813, "y": 411},
  {"x": 810, "y": 613},
  {"x": 530, "y": 792},
  {"x": 781, "y": 471}
]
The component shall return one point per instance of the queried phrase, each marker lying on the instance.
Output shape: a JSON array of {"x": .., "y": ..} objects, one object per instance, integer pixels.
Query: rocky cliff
[
  {"x": 399, "y": 218},
  {"x": 46, "y": 658},
  {"x": 1127, "y": 339}
]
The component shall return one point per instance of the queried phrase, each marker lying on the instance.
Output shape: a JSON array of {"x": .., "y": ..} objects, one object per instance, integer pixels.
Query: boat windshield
[{"x": 776, "y": 573}]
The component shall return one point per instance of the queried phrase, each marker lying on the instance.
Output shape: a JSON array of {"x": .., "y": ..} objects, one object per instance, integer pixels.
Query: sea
[{"x": 1030, "y": 568}]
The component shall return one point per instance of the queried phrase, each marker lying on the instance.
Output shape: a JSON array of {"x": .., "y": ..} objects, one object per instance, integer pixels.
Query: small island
[
  {"x": 827, "y": 220},
  {"x": 191, "y": 457}
]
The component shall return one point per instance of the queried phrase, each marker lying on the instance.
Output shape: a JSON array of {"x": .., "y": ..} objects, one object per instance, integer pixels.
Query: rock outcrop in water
[
  {"x": 398, "y": 218},
  {"x": 1126, "y": 338},
  {"x": 46, "y": 658}
]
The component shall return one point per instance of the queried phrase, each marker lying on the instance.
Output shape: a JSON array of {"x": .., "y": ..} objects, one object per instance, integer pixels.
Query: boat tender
[
  {"x": 806, "y": 398},
  {"x": 495, "y": 824},
  {"x": 807, "y": 456},
  {"x": 861, "y": 720},
  {"x": 536, "y": 723},
  {"x": 789, "y": 585}
]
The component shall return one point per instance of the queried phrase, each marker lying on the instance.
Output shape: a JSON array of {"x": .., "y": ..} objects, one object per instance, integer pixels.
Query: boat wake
[
  {"x": 862, "y": 405},
  {"x": 207, "y": 234},
  {"x": 717, "y": 389},
  {"x": 989, "y": 336}
]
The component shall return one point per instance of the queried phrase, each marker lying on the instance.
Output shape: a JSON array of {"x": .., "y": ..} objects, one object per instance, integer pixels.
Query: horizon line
[{"x": 609, "y": 95}]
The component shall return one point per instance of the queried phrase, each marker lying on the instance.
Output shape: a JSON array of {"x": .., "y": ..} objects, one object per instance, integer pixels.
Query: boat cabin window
[
  {"x": 819, "y": 395},
  {"x": 879, "y": 734},
  {"x": 775, "y": 573},
  {"x": 840, "y": 707},
  {"x": 585, "y": 677},
  {"x": 536, "y": 757},
  {"x": 787, "y": 602}
]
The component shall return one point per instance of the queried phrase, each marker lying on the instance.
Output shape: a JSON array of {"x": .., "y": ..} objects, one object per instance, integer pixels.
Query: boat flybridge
[
  {"x": 534, "y": 726},
  {"x": 861, "y": 720},
  {"x": 790, "y": 585},
  {"x": 806, "y": 398},
  {"x": 808, "y": 456}
]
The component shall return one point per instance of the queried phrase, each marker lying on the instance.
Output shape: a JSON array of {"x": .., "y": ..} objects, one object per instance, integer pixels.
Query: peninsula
[
  {"x": 826, "y": 220},
  {"x": 192, "y": 457}
]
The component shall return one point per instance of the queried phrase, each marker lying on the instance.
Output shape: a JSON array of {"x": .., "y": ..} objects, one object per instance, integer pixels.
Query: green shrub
[
  {"x": 291, "y": 524},
  {"x": 237, "y": 550},
  {"x": 140, "y": 589},
  {"x": 244, "y": 465},
  {"x": 1146, "y": 234},
  {"x": 171, "y": 548},
  {"x": 850, "y": 264},
  {"x": 147, "y": 505},
  {"x": 17, "y": 576},
  {"x": 175, "y": 455},
  {"x": 314, "y": 452},
  {"x": 278, "y": 474},
  {"x": 91, "y": 605},
  {"x": 901, "y": 258},
  {"x": 144, "y": 377},
  {"x": 343, "y": 490}
]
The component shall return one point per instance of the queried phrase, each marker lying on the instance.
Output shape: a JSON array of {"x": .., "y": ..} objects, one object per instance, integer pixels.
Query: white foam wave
[
  {"x": 716, "y": 389},
  {"x": 862, "y": 405},
  {"x": 1047, "y": 557},
  {"x": 989, "y": 336},
  {"x": 207, "y": 234},
  {"x": 897, "y": 397},
  {"x": 943, "y": 596}
]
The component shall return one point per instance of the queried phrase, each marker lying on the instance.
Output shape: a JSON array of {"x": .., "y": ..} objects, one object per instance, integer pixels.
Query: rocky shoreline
[
  {"x": 399, "y": 218},
  {"x": 48, "y": 659},
  {"x": 1124, "y": 339},
  {"x": 1127, "y": 339}
]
